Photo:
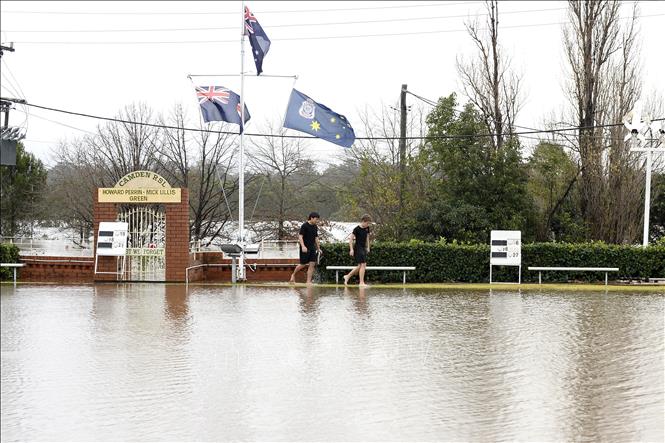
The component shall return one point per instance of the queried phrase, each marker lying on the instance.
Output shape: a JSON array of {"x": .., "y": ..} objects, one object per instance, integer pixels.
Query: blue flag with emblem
[
  {"x": 257, "y": 38},
  {"x": 305, "y": 115},
  {"x": 220, "y": 104}
]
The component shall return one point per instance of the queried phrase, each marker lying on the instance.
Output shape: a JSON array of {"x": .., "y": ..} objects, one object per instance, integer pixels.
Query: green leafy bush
[
  {"x": 8, "y": 254},
  {"x": 449, "y": 262}
]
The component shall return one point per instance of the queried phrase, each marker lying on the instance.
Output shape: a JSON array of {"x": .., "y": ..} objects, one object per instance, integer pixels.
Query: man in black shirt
[
  {"x": 358, "y": 248},
  {"x": 308, "y": 239}
]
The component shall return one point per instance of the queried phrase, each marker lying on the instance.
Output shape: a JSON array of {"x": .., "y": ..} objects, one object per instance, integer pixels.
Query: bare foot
[
  {"x": 292, "y": 281},
  {"x": 346, "y": 279},
  {"x": 363, "y": 285}
]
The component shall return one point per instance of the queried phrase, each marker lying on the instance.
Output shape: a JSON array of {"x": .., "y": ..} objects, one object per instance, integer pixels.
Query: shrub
[
  {"x": 450, "y": 262},
  {"x": 8, "y": 254}
]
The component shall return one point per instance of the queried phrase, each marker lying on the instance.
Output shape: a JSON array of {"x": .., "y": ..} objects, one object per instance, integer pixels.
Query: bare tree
[
  {"x": 591, "y": 38},
  {"x": 280, "y": 160},
  {"x": 623, "y": 212},
  {"x": 72, "y": 182},
  {"x": 487, "y": 79},
  {"x": 375, "y": 190},
  {"x": 605, "y": 84},
  {"x": 124, "y": 146},
  {"x": 202, "y": 162}
]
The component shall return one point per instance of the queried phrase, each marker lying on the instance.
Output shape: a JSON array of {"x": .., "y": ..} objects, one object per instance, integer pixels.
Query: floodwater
[{"x": 160, "y": 362}]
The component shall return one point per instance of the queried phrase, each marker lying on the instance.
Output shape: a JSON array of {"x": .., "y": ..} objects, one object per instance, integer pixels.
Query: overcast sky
[{"x": 339, "y": 50}]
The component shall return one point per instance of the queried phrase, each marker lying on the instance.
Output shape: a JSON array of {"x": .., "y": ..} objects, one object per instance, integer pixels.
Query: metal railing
[
  {"x": 267, "y": 248},
  {"x": 49, "y": 246}
]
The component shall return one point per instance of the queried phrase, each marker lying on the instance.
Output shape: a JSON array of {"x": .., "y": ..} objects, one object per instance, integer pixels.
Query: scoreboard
[{"x": 506, "y": 250}]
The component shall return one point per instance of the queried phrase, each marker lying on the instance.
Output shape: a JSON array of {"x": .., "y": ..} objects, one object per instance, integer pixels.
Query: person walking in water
[
  {"x": 359, "y": 248},
  {"x": 308, "y": 242}
]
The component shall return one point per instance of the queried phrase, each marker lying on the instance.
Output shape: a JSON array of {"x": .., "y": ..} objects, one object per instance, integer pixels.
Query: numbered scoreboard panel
[
  {"x": 506, "y": 248},
  {"x": 112, "y": 239}
]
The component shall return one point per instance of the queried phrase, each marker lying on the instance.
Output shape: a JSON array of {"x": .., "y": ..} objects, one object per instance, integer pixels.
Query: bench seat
[
  {"x": 570, "y": 268},
  {"x": 404, "y": 269},
  {"x": 12, "y": 265}
]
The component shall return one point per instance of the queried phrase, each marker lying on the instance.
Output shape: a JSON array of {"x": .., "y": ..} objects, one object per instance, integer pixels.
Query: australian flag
[
  {"x": 305, "y": 115},
  {"x": 220, "y": 104},
  {"x": 257, "y": 38}
]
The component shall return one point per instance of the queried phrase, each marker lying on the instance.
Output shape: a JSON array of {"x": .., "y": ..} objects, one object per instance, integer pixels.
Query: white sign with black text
[
  {"x": 506, "y": 250},
  {"x": 112, "y": 239}
]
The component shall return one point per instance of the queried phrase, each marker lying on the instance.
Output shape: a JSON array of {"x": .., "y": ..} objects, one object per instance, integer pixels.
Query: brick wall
[
  {"x": 177, "y": 238},
  {"x": 178, "y": 258},
  {"x": 40, "y": 268},
  {"x": 103, "y": 212},
  {"x": 268, "y": 269}
]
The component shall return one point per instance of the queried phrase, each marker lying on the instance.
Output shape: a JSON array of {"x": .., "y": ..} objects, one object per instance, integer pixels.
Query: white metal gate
[{"x": 146, "y": 242}]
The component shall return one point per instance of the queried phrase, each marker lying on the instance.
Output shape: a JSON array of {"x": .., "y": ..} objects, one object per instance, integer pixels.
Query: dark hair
[
  {"x": 313, "y": 215},
  {"x": 366, "y": 218}
]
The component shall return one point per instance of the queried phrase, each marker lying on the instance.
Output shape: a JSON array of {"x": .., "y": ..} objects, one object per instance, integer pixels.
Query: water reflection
[
  {"x": 161, "y": 362},
  {"x": 176, "y": 297},
  {"x": 359, "y": 296},
  {"x": 307, "y": 298}
]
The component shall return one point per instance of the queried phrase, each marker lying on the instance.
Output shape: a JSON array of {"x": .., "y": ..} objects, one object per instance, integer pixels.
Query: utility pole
[
  {"x": 5, "y": 105},
  {"x": 10, "y": 135},
  {"x": 402, "y": 154}
]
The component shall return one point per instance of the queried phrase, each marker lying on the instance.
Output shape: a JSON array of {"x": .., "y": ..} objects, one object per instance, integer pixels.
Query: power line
[
  {"x": 428, "y": 5},
  {"x": 329, "y": 37},
  {"x": 433, "y": 103},
  {"x": 427, "y": 137},
  {"x": 291, "y": 25},
  {"x": 18, "y": 91},
  {"x": 57, "y": 122}
]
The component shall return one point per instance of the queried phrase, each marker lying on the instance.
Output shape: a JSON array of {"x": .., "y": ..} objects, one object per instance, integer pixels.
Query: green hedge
[
  {"x": 8, "y": 254},
  {"x": 440, "y": 263}
]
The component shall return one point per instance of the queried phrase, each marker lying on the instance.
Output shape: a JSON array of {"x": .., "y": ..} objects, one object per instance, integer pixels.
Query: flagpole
[{"x": 241, "y": 162}]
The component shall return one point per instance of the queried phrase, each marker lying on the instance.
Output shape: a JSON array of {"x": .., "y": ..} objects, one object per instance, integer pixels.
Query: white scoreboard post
[
  {"x": 506, "y": 250},
  {"x": 112, "y": 242}
]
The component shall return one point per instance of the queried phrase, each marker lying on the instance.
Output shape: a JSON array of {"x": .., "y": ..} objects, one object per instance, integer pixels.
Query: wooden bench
[
  {"x": 372, "y": 268},
  {"x": 12, "y": 265},
  {"x": 563, "y": 268}
]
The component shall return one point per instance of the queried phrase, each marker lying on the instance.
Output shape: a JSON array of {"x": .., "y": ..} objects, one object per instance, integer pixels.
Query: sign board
[
  {"x": 134, "y": 195},
  {"x": 112, "y": 239},
  {"x": 506, "y": 248},
  {"x": 145, "y": 252},
  {"x": 140, "y": 187}
]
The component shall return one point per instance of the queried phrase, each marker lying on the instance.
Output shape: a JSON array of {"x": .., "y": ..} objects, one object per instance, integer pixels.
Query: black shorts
[
  {"x": 360, "y": 255},
  {"x": 307, "y": 257}
]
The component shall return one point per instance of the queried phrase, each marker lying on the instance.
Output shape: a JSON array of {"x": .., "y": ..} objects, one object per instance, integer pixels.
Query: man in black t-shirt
[
  {"x": 358, "y": 249},
  {"x": 308, "y": 240}
]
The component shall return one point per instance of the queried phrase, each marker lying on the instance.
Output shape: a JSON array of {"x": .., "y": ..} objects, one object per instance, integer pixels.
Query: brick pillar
[
  {"x": 103, "y": 212},
  {"x": 177, "y": 238}
]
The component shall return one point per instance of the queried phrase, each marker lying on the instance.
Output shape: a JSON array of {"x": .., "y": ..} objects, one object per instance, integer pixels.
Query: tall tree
[
  {"x": 591, "y": 37},
  {"x": 553, "y": 176},
  {"x": 375, "y": 189},
  {"x": 202, "y": 163},
  {"x": 279, "y": 161},
  {"x": 120, "y": 147},
  {"x": 488, "y": 81},
  {"x": 476, "y": 188},
  {"x": 21, "y": 190}
]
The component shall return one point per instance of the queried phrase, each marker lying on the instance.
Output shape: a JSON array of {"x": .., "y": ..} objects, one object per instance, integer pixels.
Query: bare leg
[
  {"x": 350, "y": 274},
  {"x": 295, "y": 271},
  {"x": 361, "y": 273},
  {"x": 310, "y": 272}
]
